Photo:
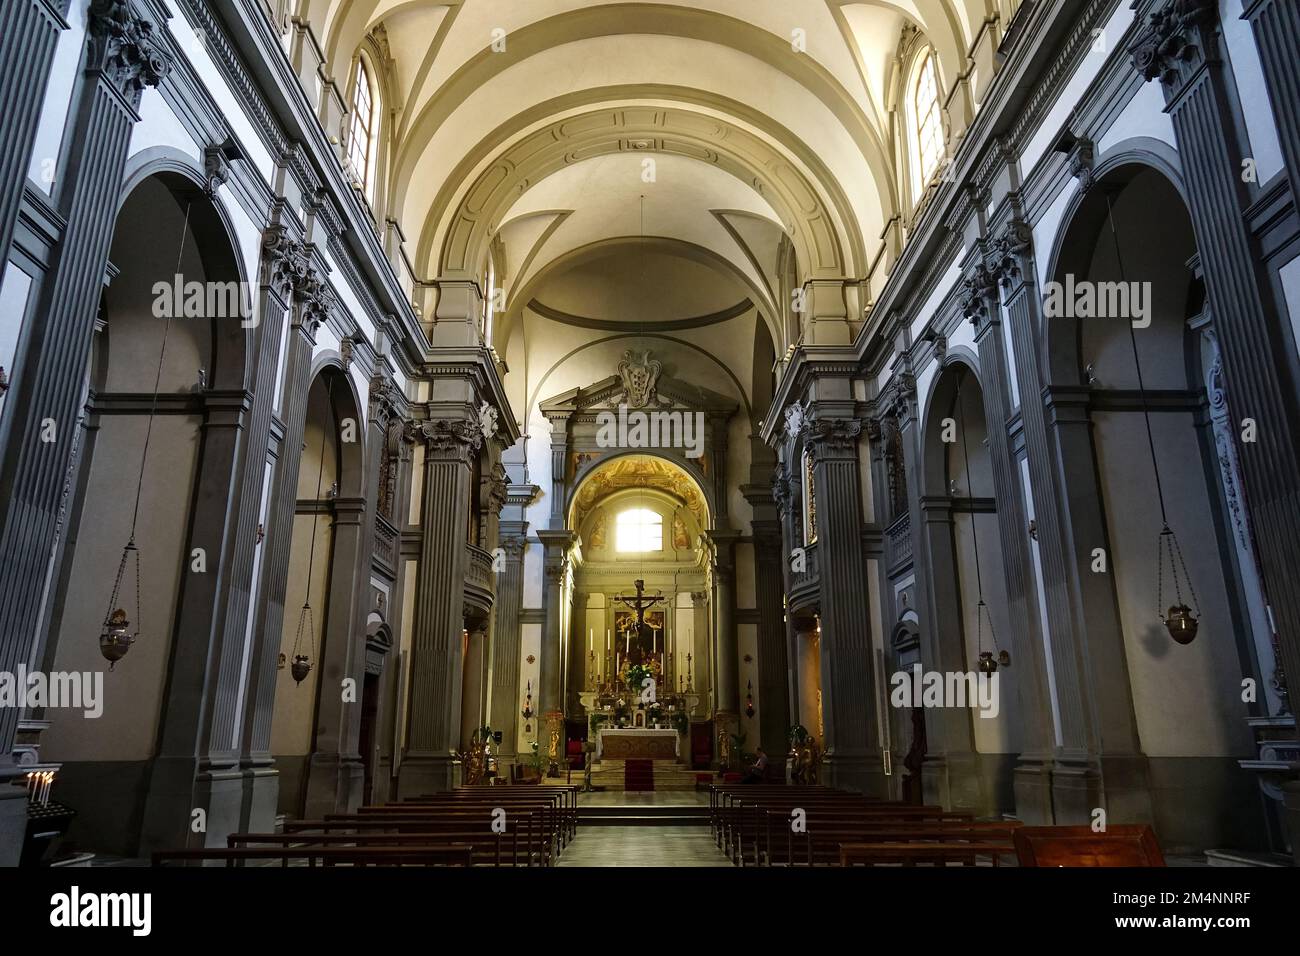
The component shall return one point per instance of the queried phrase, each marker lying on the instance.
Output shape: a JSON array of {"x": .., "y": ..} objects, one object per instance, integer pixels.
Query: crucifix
[{"x": 640, "y": 604}]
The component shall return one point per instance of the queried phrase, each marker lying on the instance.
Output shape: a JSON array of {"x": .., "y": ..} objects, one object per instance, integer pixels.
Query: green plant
[
  {"x": 681, "y": 722},
  {"x": 593, "y": 725},
  {"x": 797, "y": 734}
]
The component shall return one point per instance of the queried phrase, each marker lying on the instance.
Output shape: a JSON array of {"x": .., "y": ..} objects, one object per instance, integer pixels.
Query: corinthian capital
[
  {"x": 1008, "y": 257},
  {"x": 832, "y": 435},
  {"x": 979, "y": 289},
  {"x": 447, "y": 439},
  {"x": 285, "y": 259},
  {"x": 126, "y": 49},
  {"x": 1172, "y": 38}
]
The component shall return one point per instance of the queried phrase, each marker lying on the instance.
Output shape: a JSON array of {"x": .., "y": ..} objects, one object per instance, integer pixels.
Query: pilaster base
[
  {"x": 261, "y": 799},
  {"x": 864, "y": 773},
  {"x": 333, "y": 785},
  {"x": 1291, "y": 816},
  {"x": 1119, "y": 784},
  {"x": 426, "y": 773},
  {"x": 176, "y": 789},
  {"x": 1032, "y": 780},
  {"x": 13, "y": 823},
  {"x": 953, "y": 781}
]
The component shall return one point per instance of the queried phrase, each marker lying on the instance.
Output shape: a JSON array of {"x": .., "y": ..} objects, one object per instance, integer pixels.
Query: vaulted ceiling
[{"x": 529, "y": 123}]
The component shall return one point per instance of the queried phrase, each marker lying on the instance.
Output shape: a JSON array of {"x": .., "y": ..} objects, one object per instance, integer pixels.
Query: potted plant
[{"x": 681, "y": 721}]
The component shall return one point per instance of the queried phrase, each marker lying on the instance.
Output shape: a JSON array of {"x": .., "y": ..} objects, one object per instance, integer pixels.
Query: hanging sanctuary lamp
[
  {"x": 118, "y": 632},
  {"x": 988, "y": 661},
  {"x": 302, "y": 663},
  {"x": 1181, "y": 621}
]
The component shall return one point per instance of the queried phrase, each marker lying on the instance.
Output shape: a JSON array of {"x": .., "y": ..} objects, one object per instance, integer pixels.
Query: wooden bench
[
  {"x": 917, "y": 854},
  {"x": 1118, "y": 845},
  {"x": 445, "y": 854}
]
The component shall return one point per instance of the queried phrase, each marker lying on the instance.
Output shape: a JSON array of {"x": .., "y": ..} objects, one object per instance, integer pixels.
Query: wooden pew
[
  {"x": 1118, "y": 845},
  {"x": 914, "y": 854},
  {"x": 821, "y": 843},
  {"x": 445, "y": 854}
]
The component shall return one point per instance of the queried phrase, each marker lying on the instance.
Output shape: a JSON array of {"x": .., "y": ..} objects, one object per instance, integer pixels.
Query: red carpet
[{"x": 639, "y": 774}]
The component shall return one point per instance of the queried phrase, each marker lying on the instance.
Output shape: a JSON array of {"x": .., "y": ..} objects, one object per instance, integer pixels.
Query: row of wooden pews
[
  {"x": 774, "y": 825},
  {"x": 468, "y": 826}
]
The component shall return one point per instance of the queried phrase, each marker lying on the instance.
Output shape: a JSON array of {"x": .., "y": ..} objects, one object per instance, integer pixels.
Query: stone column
[
  {"x": 334, "y": 770},
  {"x": 473, "y": 698},
  {"x": 984, "y": 310},
  {"x": 701, "y": 675},
  {"x": 773, "y": 664},
  {"x": 124, "y": 57},
  {"x": 287, "y": 268},
  {"x": 29, "y": 32},
  {"x": 950, "y": 772},
  {"x": 436, "y": 645},
  {"x": 847, "y": 659},
  {"x": 557, "y": 545},
  {"x": 1182, "y": 47},
  {"x": 505, "y": 636}
]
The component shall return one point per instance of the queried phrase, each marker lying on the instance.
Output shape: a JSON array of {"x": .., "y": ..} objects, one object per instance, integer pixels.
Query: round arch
[{"x": 683, "y": 471}]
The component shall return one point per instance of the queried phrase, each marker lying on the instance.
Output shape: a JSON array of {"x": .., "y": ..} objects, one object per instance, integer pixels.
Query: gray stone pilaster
[
  {"x": 334, "y": 771},
  {"x": 287, "y": 271},
  {"x": 1013, "y": 270},
  {"x": 555, "y": 559},
  {"x": 506, "y": 697},
  {"x": 773, "y": 663},
  {"x": 437, "y": 665},
  {"x": 1277, "y": 35},
  {"x": 1182, "y": 47},
  {"x": 29, "y": 32},
  {"x": 848, "y": 663},
  {"x": 728, "y": 658},
  {"x": 123, "y": 57}
]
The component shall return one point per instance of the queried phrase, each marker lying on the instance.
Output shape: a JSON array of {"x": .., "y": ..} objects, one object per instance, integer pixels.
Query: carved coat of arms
[{"x": 639, "y": 373}]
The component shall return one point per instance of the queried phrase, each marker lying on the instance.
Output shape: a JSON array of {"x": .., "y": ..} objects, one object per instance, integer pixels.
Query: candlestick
[{"x": 590, "y": 638}]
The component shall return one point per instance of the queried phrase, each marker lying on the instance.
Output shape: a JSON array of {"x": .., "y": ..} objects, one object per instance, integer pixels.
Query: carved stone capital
[
  {"x": 513, "y": 545},
  {"x": 1008, "y": 253},
  {"x": 285, "y": 260},
  {"x": 447, "y": 440},
  {"x": 832, "y": 435},
  {"x": 126, "y": 49},
  {"x": 979, "y": 291},
  {"x": 382, "y": 398},
  {"x": 1171, "y": 39}
]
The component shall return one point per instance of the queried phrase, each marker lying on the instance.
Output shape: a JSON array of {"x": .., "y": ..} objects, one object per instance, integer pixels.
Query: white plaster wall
[
  {"x": 58, "y": 97},
  {"x": 1243, "y": 55}
]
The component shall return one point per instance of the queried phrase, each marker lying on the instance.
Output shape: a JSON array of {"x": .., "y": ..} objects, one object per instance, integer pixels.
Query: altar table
[{"x": 619, "y": 743}]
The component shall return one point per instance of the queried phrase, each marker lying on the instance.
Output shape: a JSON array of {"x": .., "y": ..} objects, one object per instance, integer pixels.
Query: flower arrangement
[{"x": 634, "y": 675}]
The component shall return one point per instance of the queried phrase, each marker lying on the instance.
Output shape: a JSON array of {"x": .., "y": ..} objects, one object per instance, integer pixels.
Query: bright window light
[{"x": 640, "y": 529}]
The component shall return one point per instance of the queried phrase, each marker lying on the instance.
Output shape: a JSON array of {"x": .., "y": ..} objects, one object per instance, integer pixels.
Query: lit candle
[
  {"x": 627, "y": 642},
  {"x": 590, "y": 638},
  {"x": 607, "y": 640}
]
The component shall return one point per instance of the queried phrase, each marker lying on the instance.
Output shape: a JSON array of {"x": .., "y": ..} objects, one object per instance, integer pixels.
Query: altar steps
[
  {"x": 643, "y": 816},
  {"x": 668, "y": 775}
]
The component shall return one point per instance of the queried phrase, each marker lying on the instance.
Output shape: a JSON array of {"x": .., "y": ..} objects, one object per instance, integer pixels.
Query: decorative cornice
[{"x": 126, "y": 49}]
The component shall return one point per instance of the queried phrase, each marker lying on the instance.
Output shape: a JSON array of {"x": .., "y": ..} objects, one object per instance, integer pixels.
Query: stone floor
[
  {"x": 643, "y": 846},
  {"x": 657, "y": 798}
]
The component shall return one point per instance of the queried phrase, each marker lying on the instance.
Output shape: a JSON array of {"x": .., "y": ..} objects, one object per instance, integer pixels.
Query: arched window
[
  {"x": 361, "y": 136},
  {"x": 928, "y": 121},
  {"x": 489, "y": 299},
  {"x": 639, "y": 529}
]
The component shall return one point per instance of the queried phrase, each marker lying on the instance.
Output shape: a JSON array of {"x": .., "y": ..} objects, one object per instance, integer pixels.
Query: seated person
[{"x": 759, "y": 768}]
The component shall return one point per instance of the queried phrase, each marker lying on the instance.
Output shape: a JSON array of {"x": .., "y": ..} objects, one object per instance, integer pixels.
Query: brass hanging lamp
[
  {"x": 989, "y": 661},
  {"x": 1182, "y": 622},
  {"x": 302, "y": 662},
  {"x": 119, "y": 632}
]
